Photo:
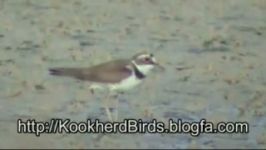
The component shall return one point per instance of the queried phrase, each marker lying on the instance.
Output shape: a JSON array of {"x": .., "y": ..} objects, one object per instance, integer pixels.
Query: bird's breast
[{"x": 125, "y": 84}]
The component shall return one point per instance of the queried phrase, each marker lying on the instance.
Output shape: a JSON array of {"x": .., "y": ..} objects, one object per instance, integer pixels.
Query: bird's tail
[{"x": 73, "y": 72}]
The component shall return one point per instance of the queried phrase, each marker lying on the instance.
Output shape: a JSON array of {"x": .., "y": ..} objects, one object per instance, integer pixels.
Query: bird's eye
[{"x": 147, "y": 59}]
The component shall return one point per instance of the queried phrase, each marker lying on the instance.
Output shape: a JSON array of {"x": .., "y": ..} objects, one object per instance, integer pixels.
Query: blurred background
[{"x": 213, "y": 52}]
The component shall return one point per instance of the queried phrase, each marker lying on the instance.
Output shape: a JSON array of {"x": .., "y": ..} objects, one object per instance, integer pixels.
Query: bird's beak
[
  {"x": 160, "y": 66},
  {"x": 157, "y": 64}
]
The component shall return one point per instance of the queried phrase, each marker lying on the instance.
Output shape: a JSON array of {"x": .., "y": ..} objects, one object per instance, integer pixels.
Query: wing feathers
[{"x": 109, "y": 72}]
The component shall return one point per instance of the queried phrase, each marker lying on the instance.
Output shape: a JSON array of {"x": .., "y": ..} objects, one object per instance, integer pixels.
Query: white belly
[{"x": 125, "y": 84}]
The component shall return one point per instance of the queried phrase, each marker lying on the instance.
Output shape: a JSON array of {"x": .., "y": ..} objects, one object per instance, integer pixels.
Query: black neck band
[{"x": 138, "y": 74}]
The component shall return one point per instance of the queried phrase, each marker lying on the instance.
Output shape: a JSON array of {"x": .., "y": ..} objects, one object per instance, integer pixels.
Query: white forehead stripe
[{"x": 143, "y": 56}]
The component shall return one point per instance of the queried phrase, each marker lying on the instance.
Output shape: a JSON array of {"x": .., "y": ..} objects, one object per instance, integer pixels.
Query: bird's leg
[
  {"x": 116, "y": 108},
  {"x": 94, "y": 87},
  {"x": 107, "y": 109}
]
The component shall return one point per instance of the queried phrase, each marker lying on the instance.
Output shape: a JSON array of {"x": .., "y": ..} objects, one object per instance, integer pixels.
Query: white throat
[{"x": 144, "y": 69}]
